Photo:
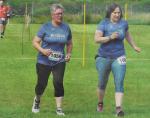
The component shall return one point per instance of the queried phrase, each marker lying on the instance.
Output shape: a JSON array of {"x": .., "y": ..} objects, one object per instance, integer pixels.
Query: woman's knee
[{"x": 40, "y": 88}]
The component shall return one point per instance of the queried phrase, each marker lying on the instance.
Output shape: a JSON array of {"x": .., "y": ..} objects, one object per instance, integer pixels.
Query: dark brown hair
[{"x": 111, "y": 8}]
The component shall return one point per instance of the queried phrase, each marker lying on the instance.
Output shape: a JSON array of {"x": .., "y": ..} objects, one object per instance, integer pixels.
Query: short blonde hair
[{"x": 53, "y": 7}]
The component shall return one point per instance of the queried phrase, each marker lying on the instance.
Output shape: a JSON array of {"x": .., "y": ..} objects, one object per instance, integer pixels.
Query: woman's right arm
[
  {"x": 99, "y": 38},
  {"x": 36, "y": 44}
]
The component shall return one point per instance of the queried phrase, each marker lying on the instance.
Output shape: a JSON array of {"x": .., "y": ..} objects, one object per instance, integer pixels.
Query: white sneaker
[
  {"x": 36, "y": 107},
  {"x": 60, "y": 112}
]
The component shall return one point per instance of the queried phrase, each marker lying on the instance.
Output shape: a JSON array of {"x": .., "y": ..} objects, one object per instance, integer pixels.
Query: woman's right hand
[
  {"x": 36, "y": 43},
  {"x": 46, "y": 52},
  {"x": 114, "y": 35}
]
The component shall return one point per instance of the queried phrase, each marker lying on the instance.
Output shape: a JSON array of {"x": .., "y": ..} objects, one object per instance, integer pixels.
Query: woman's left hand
[
  {"x": 67, "y": 58},
  {"x": 137, "y": 49}
]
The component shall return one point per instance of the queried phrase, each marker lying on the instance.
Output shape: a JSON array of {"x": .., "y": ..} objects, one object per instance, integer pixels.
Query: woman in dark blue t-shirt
[
  {"x": 111, "y": 33},
  {"x": 50, "y": 42}
]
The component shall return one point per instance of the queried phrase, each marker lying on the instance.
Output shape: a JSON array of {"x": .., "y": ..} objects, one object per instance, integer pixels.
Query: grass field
[{"x": 18, "y": 78}]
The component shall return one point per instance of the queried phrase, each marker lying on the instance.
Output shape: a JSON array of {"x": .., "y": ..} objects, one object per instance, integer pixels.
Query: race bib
[
  {"x": 55, "y": 56},
  {"x": 3, "y": 19},
  {"x": 122, "y": 60}
]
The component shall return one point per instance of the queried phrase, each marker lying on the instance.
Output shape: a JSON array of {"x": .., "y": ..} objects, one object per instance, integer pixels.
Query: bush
[
  {"x": 73, "y": 18},
  {"x": 79, "y": 19}
]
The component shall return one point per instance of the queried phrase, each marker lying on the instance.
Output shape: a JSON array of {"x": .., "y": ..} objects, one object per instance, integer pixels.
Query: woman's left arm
[
  {"x": 69, "y": 47},
  {"x": 131, "y": 42}
]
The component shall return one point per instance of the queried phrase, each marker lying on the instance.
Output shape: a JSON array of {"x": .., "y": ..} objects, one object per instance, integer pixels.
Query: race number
[
  {"x": 55, "y": 56},
  {"x": 3, "y": 19},
  {"x": 122, "y": 60}
]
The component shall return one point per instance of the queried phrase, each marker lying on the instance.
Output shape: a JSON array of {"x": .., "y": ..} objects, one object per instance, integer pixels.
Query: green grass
[{"x": 18, "y": 78}]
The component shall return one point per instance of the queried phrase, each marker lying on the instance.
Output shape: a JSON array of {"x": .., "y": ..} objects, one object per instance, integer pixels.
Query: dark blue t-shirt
[
  {"x": 114, "y": 48},
  {"x": 53, "y": 38}
]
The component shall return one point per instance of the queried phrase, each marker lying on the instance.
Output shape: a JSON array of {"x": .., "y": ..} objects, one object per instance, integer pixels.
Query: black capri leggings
[{"x": 43, "y": 72}]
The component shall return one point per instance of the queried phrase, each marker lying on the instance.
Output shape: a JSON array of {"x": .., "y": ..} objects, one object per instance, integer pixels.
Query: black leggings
[{"x": 43, "y": 72}]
